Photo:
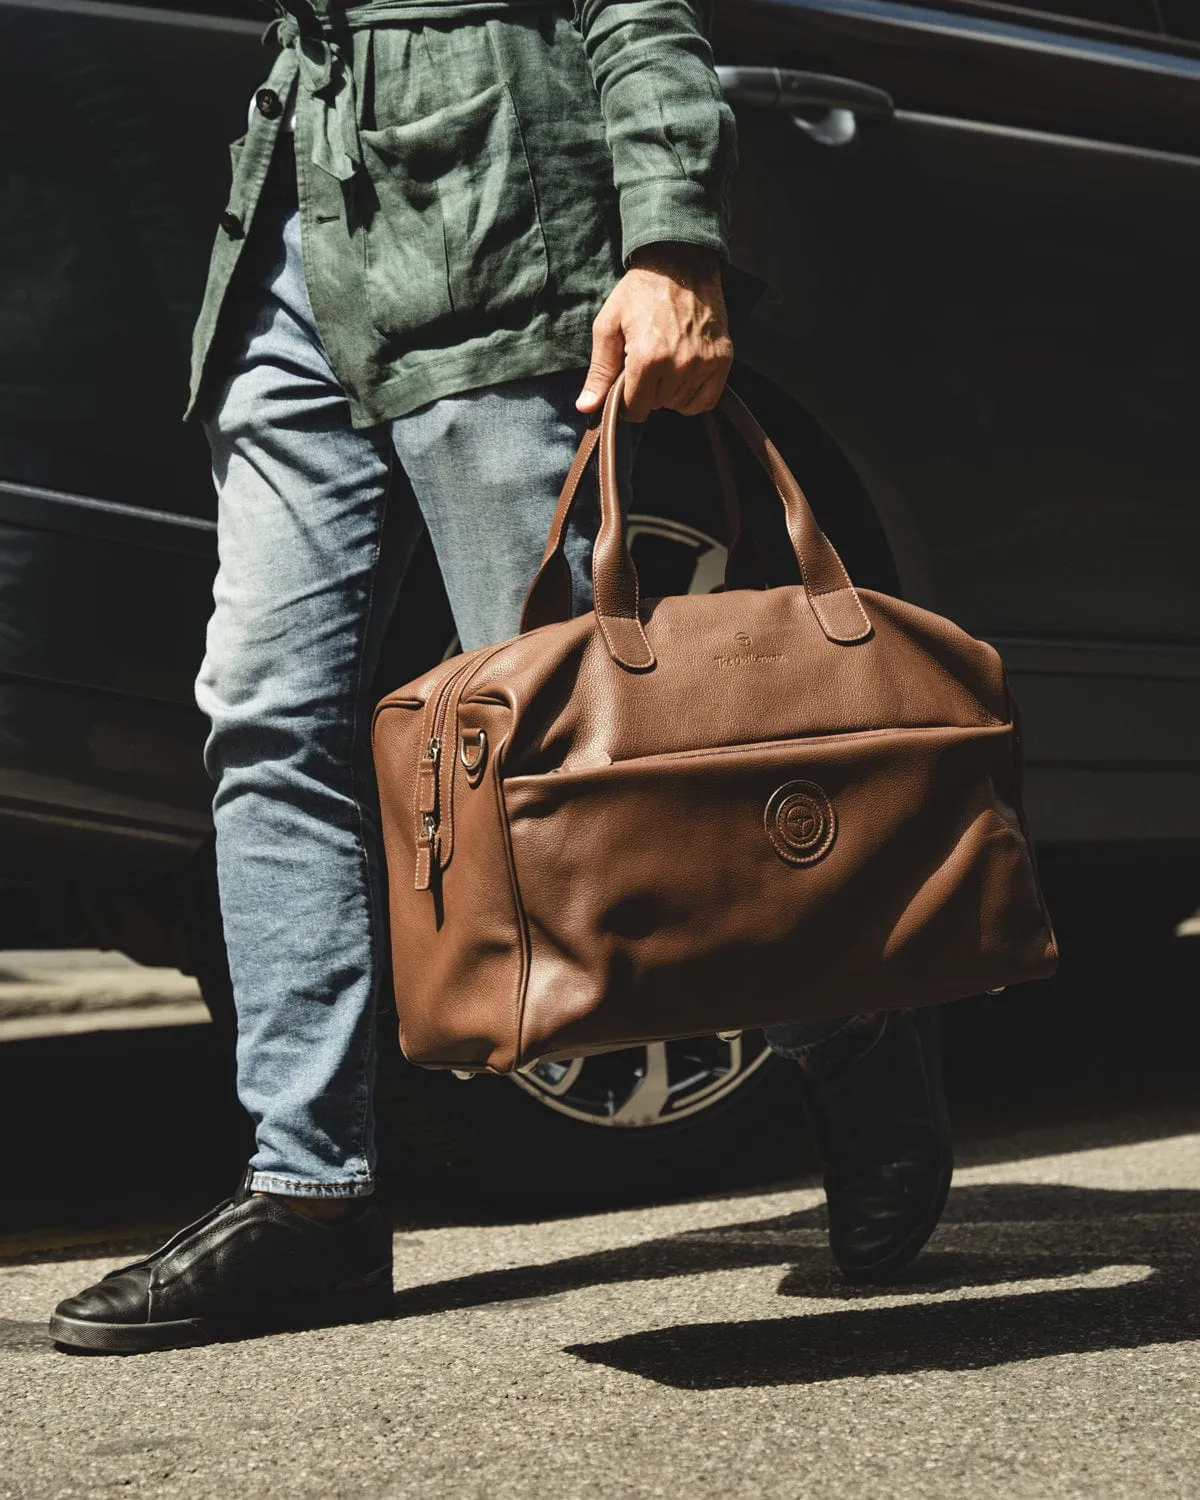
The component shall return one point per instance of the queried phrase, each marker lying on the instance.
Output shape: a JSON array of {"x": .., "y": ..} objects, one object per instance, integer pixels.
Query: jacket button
[
  {"x": 267, "y": 102},
  {"x": 232, "y": 225}
]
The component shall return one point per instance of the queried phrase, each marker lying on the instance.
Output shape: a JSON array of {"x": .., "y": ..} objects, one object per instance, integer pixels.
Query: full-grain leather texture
[{"x": 700, "y": 813}]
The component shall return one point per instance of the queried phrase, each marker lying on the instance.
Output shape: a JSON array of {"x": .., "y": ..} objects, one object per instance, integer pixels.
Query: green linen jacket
[{"x": 472, "y": 177}]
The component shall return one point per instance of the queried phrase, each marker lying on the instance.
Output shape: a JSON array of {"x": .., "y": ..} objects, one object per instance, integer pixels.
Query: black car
[{"x": 971, "y": 318}]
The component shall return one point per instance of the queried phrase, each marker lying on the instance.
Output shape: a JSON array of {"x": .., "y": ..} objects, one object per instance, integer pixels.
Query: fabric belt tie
[
  {"x": 315, "y": 31},
  {"x": 326, "y": 77}
]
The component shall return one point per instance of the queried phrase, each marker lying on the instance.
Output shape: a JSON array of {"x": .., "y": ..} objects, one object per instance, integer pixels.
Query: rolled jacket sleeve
[{"x": 671, "y": 134}]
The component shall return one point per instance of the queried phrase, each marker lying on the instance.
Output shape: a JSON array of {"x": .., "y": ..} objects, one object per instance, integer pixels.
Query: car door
[
  {"x": 989, "y": 299},
  {"x": 110, "y": 116}
]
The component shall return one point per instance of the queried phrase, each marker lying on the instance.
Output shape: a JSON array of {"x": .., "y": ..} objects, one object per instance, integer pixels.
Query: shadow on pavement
[
  {"x": 1009, "y": 1234},
  {"x": 989, "y": 1235},
  {"x": 972, "y": 1334}
]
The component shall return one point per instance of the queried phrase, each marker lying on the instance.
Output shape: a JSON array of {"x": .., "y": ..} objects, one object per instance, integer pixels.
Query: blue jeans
[{"x": 308, "y": 579}]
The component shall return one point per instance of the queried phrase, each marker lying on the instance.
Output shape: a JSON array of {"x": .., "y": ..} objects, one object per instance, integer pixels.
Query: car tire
[{"x": 488, "y": 1134}]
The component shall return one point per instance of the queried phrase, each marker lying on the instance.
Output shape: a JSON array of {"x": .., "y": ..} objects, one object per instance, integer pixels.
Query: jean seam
[{"x": 360, "y": 790}]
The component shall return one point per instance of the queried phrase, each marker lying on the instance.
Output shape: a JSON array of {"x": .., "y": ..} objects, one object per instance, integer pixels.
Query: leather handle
[
  {"x": 831, "y": 596},
  {"x": 550, "y": 594},
  {"x": 614, "y": 578},
  {"x": 549, "y": 597}
]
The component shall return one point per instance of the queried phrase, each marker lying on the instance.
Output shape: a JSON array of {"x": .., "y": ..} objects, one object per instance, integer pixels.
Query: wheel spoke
[
  {"x": 648, "y": 1101},
  {"x": 555, "y": 1086}
]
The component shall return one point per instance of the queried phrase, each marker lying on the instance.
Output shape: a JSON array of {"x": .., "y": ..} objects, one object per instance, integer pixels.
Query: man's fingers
[
  {"x": 696, "y": 387},
  {"x": 688, "y": 394},
  {"x": 708, "y": 394},
  {"x": 643, "y": 383},
  {"x": 608, "y": 355}
]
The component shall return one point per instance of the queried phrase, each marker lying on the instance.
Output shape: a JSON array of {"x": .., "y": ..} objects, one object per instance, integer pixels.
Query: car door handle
[{"x": 844, "y": 100}]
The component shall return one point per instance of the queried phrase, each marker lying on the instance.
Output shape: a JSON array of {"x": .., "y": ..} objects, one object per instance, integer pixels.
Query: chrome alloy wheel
[{"x": 645, "y": 1086}]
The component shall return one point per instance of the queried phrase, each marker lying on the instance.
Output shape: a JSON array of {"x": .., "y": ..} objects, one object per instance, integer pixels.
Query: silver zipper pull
[
  {"x": 427, "y": 778},
  {"x": 427, "y": 809},
  {"x": 426, "y": 853}
]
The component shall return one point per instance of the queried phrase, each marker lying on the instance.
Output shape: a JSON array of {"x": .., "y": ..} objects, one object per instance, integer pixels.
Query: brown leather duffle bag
[{"x": 704, "y": 813}]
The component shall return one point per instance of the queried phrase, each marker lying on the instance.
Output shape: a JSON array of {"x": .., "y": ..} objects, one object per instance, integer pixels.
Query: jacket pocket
[{"x": 453, "y": 231}]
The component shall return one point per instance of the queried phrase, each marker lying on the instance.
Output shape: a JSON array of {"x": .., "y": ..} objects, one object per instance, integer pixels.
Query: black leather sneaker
[
  {"x": 249, "y": 1266},
  {"x": 883, "y": 1134}
]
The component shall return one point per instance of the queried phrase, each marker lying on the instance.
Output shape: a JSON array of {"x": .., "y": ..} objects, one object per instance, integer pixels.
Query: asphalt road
[{"x": 1047, "y": 1345}]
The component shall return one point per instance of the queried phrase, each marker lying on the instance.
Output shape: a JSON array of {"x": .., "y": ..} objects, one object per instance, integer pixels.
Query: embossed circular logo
[{"x": 800, "y": 822}]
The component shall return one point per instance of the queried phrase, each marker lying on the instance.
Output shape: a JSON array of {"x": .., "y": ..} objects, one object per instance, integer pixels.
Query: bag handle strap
[
  {"x": 833, "y": 598},
  {"x": 550, "y": 597},
  {"x": 831, "y": 595},
  {"x": 614, "y": 578}
]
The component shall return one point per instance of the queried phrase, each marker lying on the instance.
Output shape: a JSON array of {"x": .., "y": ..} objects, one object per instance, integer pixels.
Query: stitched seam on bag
[
  {"x": 407, "y": 705},
  {"x": 778, "y": 468},
  {"x": 885, "y": 732},
  {"x": 814, "y": 598},
  {"x": 965, "y": 731},
  {"x": 519, "y": 913},
  {"x": 428, "y": 724},
  {"x": 455, "y": 691},
  {"x": 432, "y": 709},
  {"x": 453, "y": 705},
  {"x": 477, "y": 666}
]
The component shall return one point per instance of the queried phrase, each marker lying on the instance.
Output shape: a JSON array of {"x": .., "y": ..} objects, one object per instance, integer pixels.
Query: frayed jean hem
[{"x": 289, "y": 1187}]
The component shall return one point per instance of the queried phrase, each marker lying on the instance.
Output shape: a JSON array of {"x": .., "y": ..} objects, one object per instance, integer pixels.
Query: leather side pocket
[{"x": 453, "y": 232}]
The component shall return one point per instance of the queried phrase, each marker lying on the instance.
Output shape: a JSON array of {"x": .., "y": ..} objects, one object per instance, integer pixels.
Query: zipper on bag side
[
  {"x": 432, "y": 805},
  {"x": 428, "y": 772}
]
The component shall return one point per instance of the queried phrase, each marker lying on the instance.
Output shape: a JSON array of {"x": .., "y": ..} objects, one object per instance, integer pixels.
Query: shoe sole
[
  {"x": 360, "y": 1305},
  {"x": 130, "y": 1338}
]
